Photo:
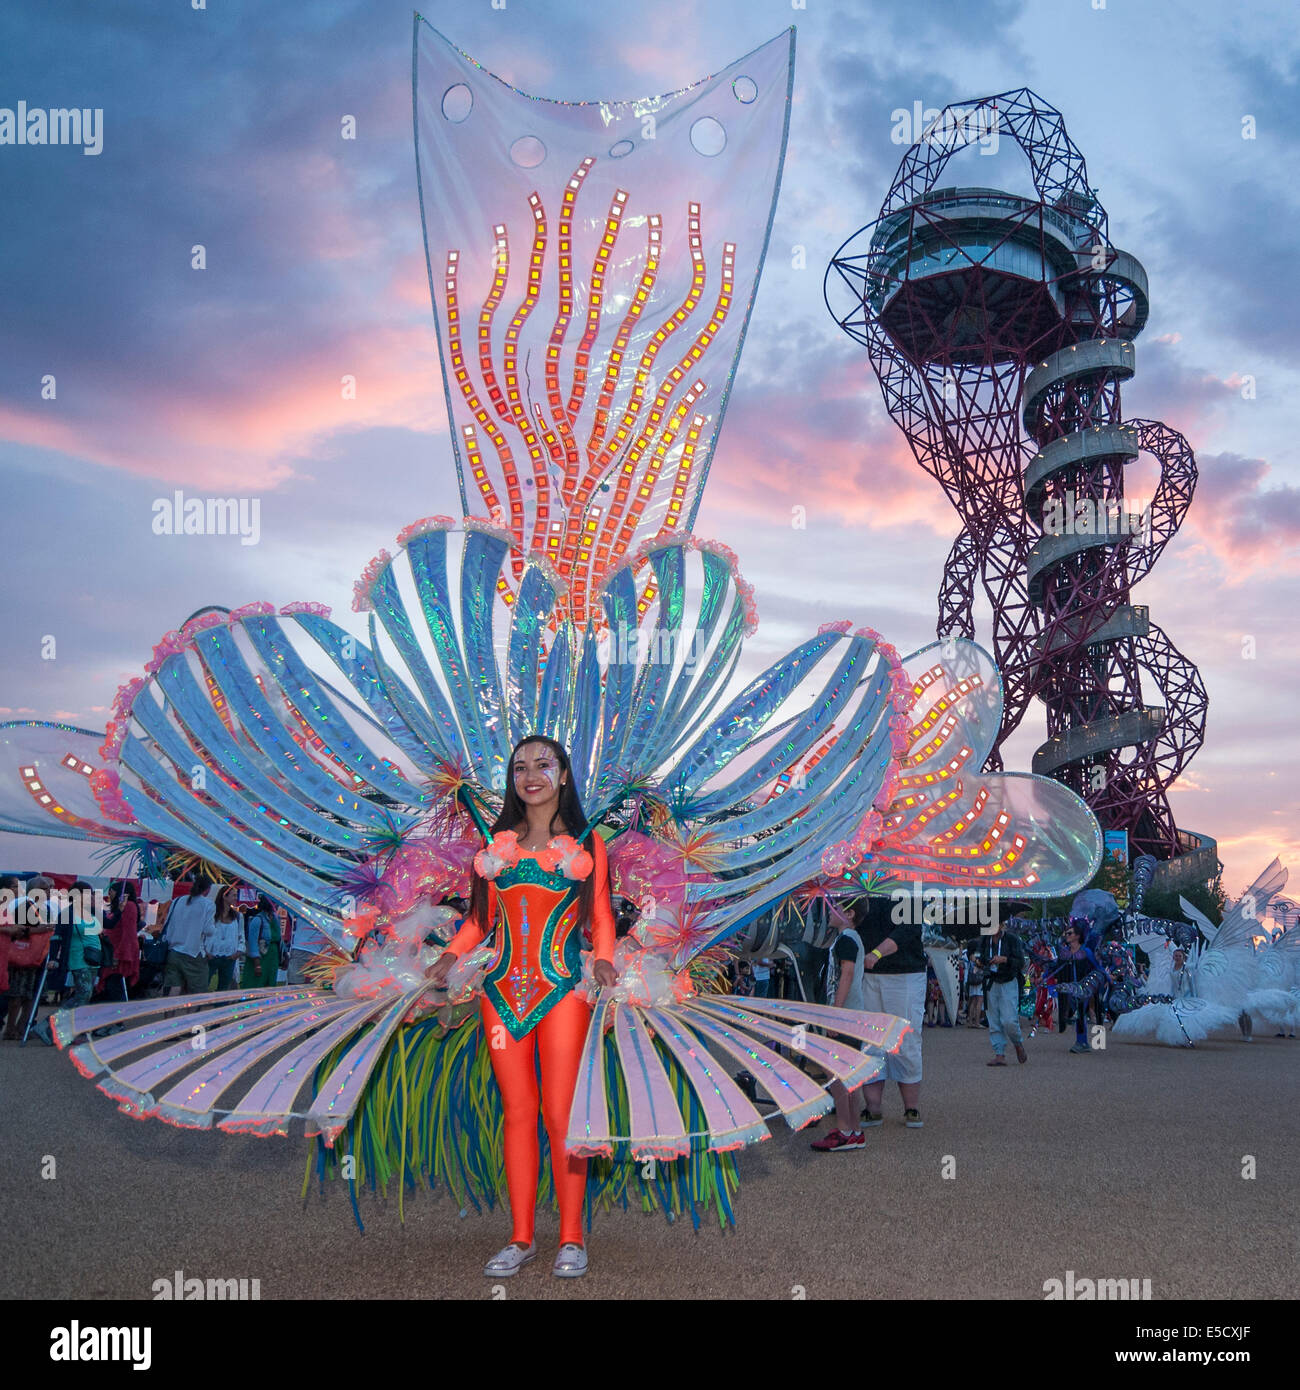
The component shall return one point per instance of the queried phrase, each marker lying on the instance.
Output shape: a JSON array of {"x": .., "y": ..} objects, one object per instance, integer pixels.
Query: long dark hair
[{"x": 569, "y": 813}]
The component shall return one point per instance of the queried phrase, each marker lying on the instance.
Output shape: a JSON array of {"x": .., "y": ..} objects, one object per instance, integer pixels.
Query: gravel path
[{"x": 1125, "y": 1164}]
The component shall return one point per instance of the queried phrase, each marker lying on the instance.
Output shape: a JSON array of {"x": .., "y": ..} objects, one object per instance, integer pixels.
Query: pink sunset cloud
[{"x": 233, "y": 433}]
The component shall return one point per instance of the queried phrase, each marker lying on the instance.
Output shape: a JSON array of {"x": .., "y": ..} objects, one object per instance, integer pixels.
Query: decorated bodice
[{"x": 534, "y": 912}]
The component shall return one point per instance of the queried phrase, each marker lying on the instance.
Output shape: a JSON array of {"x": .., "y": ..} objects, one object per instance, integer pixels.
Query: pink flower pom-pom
[
  {"x": 567, "y": 855},
  {"x": 501, "y": 853}
]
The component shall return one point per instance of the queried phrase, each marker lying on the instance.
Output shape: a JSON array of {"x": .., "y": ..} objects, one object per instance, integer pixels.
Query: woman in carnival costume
[
  {"x": 537, "y": 888},
  {"x": 354, "y": 780}
]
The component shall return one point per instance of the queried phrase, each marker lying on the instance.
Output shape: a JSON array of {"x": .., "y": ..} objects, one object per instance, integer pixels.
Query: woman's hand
[
  {"x": 604, "y": 974},
  {"x": 437, "y": 973}
]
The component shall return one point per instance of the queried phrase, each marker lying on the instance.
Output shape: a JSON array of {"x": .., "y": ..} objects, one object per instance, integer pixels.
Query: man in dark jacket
[{"x": 1003, "y": 957}]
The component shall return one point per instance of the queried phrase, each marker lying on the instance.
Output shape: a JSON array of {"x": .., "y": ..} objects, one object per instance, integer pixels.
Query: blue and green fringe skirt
[{"x": 432, "y": 1116}]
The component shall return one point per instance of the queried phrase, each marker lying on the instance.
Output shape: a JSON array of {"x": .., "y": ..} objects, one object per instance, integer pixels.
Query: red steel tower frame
[{"x": 1001, "y": 329}]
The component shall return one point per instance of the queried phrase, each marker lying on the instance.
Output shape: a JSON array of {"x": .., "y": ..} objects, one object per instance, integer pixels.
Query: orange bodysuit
[{"x": 532, "y": 1018}]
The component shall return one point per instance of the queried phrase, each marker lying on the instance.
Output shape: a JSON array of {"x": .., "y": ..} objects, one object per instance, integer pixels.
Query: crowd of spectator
[{"x": 70, "y": 946}]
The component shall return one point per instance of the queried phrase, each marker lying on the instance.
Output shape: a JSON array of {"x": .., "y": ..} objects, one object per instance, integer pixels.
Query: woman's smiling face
[{"x": 538, "y": 775}]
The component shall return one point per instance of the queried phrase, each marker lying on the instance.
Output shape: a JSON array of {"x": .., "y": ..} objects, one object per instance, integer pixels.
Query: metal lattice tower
[{"x": 984, "y": 314}]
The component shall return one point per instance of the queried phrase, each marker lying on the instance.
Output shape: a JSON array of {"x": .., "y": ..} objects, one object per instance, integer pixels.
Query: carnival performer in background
[
  {"x": 1077, "y": 974},
  {"x": 1215, "y": 987},
  {"x": 538, "y": 887}
]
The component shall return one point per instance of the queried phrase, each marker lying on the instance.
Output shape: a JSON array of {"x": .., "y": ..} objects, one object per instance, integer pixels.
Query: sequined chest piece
[{"x": 538, "y": 944}]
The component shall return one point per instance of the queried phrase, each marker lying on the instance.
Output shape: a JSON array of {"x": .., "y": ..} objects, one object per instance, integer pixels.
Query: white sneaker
[
  {"x": 571, "y": 1262},
  {"x": 509, "y": 1261}
]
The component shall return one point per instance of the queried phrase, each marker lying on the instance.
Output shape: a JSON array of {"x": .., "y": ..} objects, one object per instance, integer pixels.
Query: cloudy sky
[{"x": 221, "y": 127}]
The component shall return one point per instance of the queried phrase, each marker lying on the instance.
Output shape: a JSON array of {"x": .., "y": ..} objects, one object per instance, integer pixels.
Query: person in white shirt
[
  {"x": 227, "y": 934},
  {"x": 189, "y": 940}
]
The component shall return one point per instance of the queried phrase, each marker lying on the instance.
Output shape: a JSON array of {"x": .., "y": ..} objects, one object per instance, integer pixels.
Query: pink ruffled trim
[
  {"x": 744, "y": 589},
  {"x": 202, "y": 623},
  {"x": 423, "y": 527},
  {"x": 842, "y": 625},
  {"x": 260, "y": 609},
  {"x": 169, "y": 645},
  {"x": 887, "y": 793},
  {"x": 126, "y": 696},
  {"x": 106, "y": 788},
  {"x": 361, "y": 589},
  {"x": 320, "y": 610},
  {"x": 114, "y": 736},
  {"x": 490, "y": 528}
]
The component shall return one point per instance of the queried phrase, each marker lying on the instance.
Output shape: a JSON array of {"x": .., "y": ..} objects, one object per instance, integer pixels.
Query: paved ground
[{"x": 1124, "y": 1164}]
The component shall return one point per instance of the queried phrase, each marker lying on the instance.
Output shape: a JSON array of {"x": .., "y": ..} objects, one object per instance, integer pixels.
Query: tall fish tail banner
[{"x": 593, "y": 266}]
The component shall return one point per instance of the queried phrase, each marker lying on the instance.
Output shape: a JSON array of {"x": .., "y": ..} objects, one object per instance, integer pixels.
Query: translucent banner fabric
[{"x": 593, "y": 266}]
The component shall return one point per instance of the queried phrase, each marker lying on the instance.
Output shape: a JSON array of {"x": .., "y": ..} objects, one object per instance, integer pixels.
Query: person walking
[
  {"x": 843, "y": 991},
  {"x": 894, "y": 983},
  {"x": 1002, "y": 956}
]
